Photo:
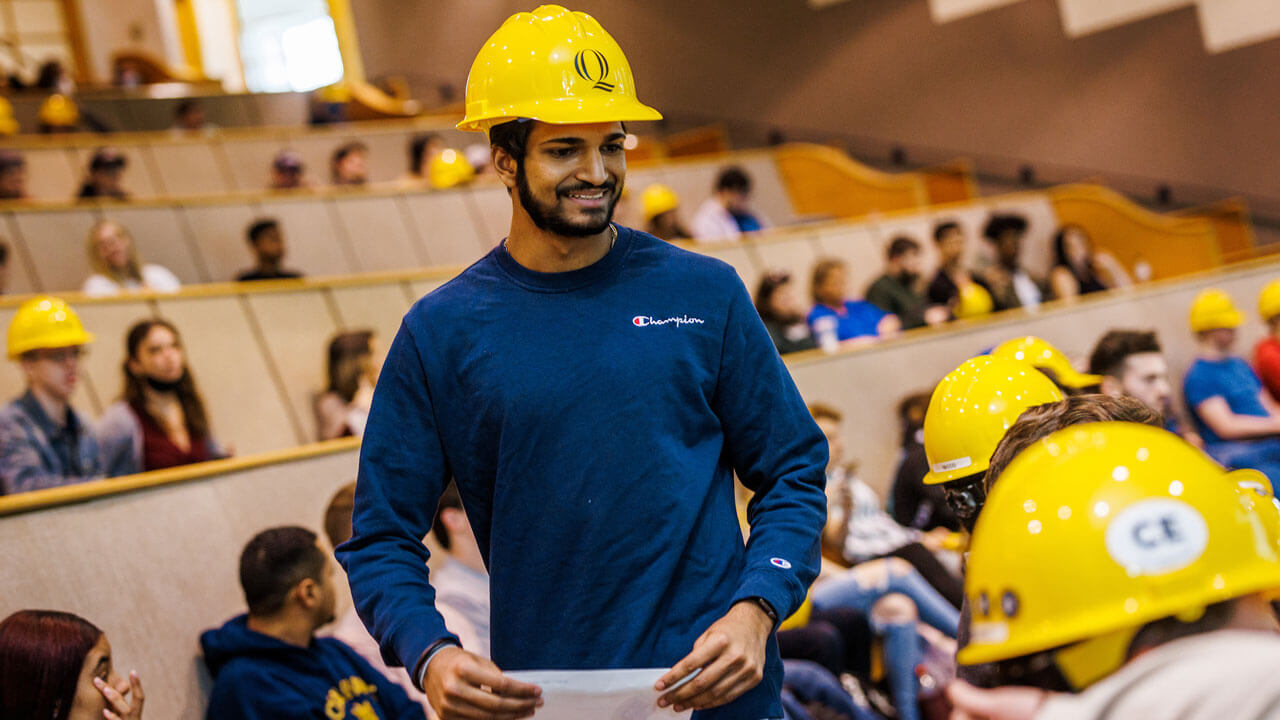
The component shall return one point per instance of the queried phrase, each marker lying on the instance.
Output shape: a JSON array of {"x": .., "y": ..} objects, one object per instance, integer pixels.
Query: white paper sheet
[{"x": 598, "y": 694}]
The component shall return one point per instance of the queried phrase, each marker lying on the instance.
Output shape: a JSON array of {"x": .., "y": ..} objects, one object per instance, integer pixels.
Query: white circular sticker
[
  {"x": 780, "y": 563},
  {"x": 1157, "y": 536}
]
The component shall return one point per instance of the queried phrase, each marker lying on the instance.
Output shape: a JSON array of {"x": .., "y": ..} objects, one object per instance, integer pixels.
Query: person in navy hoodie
[
  {"x": 592, "y": 390},
  {"x": 269, "y": 664}
]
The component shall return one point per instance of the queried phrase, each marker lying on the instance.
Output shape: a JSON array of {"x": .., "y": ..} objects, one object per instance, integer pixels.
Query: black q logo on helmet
[{"x": 594, "y": 68}]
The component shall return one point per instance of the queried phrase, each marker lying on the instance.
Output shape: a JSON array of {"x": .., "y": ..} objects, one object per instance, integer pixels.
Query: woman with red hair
[{"x": 57, "y": 666}]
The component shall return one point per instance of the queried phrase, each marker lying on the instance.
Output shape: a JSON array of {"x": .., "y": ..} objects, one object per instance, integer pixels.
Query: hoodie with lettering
[
  {"x": 594, "y": 421},
  {"x": 257, "y": 677}
]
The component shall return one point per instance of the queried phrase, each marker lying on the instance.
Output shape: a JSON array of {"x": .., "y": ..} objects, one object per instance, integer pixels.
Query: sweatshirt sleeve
[
  {"x": 778, "y": 453},
  {"x": 402, "y": 474},
  {"x": 258, "y": 696}
]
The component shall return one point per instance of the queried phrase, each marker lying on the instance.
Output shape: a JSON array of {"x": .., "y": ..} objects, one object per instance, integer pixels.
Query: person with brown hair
[
  {"x": 117, "y": 267},
  {"x": 350, "y": 164},
  {"x": 57, "y": 666},
  {"x": 915, "y": 504},
  {"x": 106, "y": 169},
  {"x": 160, "y": 420},
  {"x": 783, "y": 315},
  {"x": 343, "y": 407},
  {"x": 835, "y": 319}
]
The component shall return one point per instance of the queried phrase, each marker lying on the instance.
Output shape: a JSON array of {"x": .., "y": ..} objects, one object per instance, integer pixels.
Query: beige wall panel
[
  {"x": 380, "y": 307},
  {"x": 866, "y": 385},
  {"x": 310, "y": 235},
  {"x": 168, "y": 555},
  {"x": 57, "y": 243},
  {"x": 250, "y": 162},
  {"x": 220, "y": 238},
  {"x": 388, "y": 155},
  {"x": 20, "y": 279},
  {"x": 245, "y": 405},
  {"x": 138, "y": 180},
  {"x": 161, "y": 238},
  {"x": 296, "y": 327},
  {"x": 377, "y": 233},
  {"x": 446, "y": 227},
  {"x": 796, "y": 255},
  {"x": 53, "y": 173},
  {"x": 858, "y": 245},
  {"x": 281, "y": 108},
  {"x": 693, "y": 182},
  {"x": 491, "y": 206},
  {"x": 768, "y": 193},
  {"x": 103, "y": 366},
  {"x": 190, "y": 169}
]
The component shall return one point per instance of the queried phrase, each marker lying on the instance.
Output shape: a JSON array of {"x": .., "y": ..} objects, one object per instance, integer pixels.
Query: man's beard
[{"x": 552, "y": 219}]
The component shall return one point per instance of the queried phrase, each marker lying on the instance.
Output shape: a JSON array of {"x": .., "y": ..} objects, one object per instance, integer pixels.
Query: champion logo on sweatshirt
[{"x": 646, "y": 321}]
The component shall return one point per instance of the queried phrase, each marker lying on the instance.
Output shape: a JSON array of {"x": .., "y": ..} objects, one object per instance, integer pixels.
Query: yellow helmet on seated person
[
  {"x": 554, "y": 66},
  {"x": 448, "y": 169},
  {"x": 657, "y": 199},
  {"x": 1269, "y": 301},
  {"x": 970, "y": 410},
  {"x": 1213, "y": 309},
  {"x": 1039, "y": 354},
  {"x": 59, "y": 111},
  {"x": 8, "y": 125},
  {"x": 1100, "y": 529},
  {"x": 974, "y": 301},
  {"x": 45, "y": 323}
]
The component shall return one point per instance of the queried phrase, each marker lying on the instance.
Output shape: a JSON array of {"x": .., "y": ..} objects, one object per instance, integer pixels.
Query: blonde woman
[{"x": 117, "y": 267}]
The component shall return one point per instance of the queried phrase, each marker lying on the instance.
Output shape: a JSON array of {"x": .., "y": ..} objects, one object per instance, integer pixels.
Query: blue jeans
[
  {"x": 847, "y": 591},
  {"x": 1262, "y": 454},
  {"x": 804, "y": 681}
]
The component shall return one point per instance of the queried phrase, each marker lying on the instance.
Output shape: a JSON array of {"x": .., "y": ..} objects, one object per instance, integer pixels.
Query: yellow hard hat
[
  {"x": 449, "y": 168},
  {"x": 1213, "y": 309},
  {"x": 45, "y": 323},
  {"x": 971, "y": 409},
  {"x": 974, "y": 301},
  {"x": 1269, "y": 300},
  {"x": 59, "y": 111},
  {"x": 800, "y": 617},
  {"x": 657, "y": 199},
  {"x": 1099, "y": 529},
  {"x": 554, "y": 66},
  {"x": 8, "y": 125},
  {"x": 1039, "y": 354}
]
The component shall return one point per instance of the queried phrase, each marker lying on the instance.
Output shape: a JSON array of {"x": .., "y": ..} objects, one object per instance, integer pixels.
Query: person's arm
[
  {"x": 403, "y": 472},
  {"x": 1112, "y": 271},
  {"x": 1266, "y": 362},
  {"x": 1227, "y": 425},
  {"x": 1063, "y": 283},
  {"x": 119, "y": 441},
  {"x": 21, "y": 469},
  {"x": 331, "y": 416},
  {"x": 780, "y": 455},
  {"x": 888, "y": 326}
]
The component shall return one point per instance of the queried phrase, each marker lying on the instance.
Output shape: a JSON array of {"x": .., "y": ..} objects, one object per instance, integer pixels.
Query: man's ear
[
  {"x": 1110, "y": 386},
  {"x": 506, "y": 166},
  {"x": 308, "y": 593}
]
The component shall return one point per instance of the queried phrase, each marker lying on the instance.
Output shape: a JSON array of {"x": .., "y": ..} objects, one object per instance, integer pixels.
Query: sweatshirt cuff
[
  {"x": 779, "y": 588},
  {"x": 421, "y": 675}
]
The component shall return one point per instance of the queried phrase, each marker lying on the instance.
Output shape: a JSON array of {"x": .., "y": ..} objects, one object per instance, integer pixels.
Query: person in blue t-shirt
[
  {"x": 835, "y": 319},
  {"x": 1236, "y": 417},
  {"x": 592, "y": 391}
]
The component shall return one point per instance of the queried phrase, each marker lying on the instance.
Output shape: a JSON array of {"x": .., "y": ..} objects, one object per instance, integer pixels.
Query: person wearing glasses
[{"x": 44, "y": 442}]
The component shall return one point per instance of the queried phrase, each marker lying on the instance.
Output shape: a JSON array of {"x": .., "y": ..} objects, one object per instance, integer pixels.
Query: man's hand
[
  {"x": 730, "y": 655},
  {"x": 1007, "y": 703},
  {"x": 462, "y": 686}
]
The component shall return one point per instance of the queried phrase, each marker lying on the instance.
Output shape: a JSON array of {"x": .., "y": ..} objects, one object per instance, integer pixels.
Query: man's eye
[
  {"x": 562, "y": 152},
  {"x": 613, "y": 148}
]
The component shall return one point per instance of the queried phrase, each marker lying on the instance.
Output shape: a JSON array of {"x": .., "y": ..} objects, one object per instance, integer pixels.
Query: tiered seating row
[
  {"x": 153, "y": 107},
  {"x": 334, "y": 233},
  {"x": 174, "y": 165},
  {"x": 156, "y": 520}
]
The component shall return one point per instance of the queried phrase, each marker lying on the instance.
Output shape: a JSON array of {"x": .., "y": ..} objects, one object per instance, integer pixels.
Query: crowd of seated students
[{"x": 159, "y": 420}]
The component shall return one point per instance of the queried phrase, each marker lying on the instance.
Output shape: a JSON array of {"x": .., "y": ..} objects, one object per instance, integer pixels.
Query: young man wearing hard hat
[
  {"x": 592, "y": 390},
  {"x": 44, "y": 442},
  {"x": 1157, "y": 604},
  {"x": 1235, "y": 415},
  {"x": 969, "y": 412}
]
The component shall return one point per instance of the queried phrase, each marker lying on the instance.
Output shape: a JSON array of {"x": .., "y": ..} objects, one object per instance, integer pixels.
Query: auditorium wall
[{"x": 1144, "y": 99}]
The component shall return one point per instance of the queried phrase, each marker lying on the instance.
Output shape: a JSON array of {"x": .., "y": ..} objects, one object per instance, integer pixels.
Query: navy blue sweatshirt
[
  {"x": 257, "y": 677},
  {"x": 593, "y": 421}
]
